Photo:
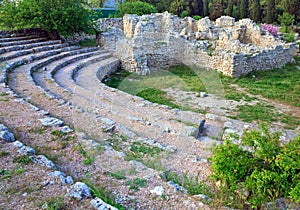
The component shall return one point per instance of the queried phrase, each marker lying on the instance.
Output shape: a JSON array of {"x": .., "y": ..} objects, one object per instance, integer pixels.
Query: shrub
[
  {"x": 135, "y": 7},
  {"x": 184, "y": 14},
  {"x": 197, "y": 17},
  {"x": 289, "y": 37},
  {"x": 270, "y": 28},
  {"x": 286, "y": 20},
  {"x": 265, "y": 171},
  {"x": 59, "y": 17}
]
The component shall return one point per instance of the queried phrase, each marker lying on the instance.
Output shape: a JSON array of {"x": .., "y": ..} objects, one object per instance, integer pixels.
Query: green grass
[
  {"x": 3, "y": 154},
  {"x": 262, "y": 112},
  {"x": 88, "y": 43},
  {"x": 136, "y": 183},
  {"x": 157, "y": 96},
  {"x": 37, "y": 130},
  {"x": 24, "y": 160},
  {"x": 101, "y": 192},
  {"x": 192, "y": 184},
  {"x": 119, "y": 175},
  {"x": 282, "y": 84}
]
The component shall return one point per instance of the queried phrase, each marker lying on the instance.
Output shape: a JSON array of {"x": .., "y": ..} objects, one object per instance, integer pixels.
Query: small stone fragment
[
  {"x": 41, "y": 159},
  {"x": 79, "y": 190},
  {"x": 66, "y": 129},
  {"x": 101, "y": 205},
  {"x": 158, "y": 190},
  {"x": 51, "y": 121},
  {"x": 25, "y": 150},
  {"x": 5, "y": 135},
  {"x": 18, "y": 144}
]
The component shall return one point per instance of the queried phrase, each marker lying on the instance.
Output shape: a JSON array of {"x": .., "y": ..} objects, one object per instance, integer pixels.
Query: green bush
[
  {"x": 289, "y": 37},
  {"x": 184, "y": 14},
  {"x": 197, "y": 17},
  {"x": 135, "y": 7},
  {"x": 59, "y": 17},
  {"x": 265, "y": 171}
]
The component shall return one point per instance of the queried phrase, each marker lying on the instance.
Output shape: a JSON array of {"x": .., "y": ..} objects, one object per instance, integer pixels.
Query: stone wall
[{"x": 156, "y": 41}]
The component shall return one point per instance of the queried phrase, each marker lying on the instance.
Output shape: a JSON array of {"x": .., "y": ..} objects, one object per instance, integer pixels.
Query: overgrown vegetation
[
  {"x": 135, "y": 7},
  {"x": 192, "y": 184},
  {"x": 58, "y": 17},
  {"x": 265, "y": 171},
  {"x": 101, "y": 192},
  {"x": 136, "y": 183}
]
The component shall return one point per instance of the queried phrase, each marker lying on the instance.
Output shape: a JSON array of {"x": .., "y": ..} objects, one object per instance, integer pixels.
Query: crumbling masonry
[{"x": 150, "y": 42}]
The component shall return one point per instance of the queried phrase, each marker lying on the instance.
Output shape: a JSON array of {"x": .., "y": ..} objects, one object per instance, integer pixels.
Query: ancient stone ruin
[{"x": 151, "y": 42}]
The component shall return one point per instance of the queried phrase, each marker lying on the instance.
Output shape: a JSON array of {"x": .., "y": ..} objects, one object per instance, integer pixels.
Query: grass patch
[
  {"x": 262, "y": 112},
  {"x": 119, "y": 175},
  {"x": 57, "y": 133},
  {"x": 136, "y": 183},
  {"x": 192, "y": 184},
  {"x": 157, "y": 96},
  {"x": 38, "y": 130},
  {"x": 281, "y": 84},
  {"x": 24, "y": 160},
  {"x": 5, "y": 174},
  {"x": 88, "y": 43},
  {"x": 3, "y": 154},
  {"x": 140, "y": 150},
  {"x": 101, "y": 192},
  {"x": 54, "y": 204}
]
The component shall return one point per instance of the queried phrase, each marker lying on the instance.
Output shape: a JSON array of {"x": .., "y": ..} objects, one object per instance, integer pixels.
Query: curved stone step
[
  {"x": 12, "y": 55},
  {"x": 20, "y": 38},
  {"x": 6, "y": 44},
  {"x": 40, "y": 76},
  {"x": 29, "y": 46}
]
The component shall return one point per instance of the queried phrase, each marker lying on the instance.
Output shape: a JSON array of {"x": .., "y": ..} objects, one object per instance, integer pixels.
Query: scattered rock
[
  {"x": 41, "y": 159},
  {"x": 51, "y": 122},
  {"x": 5, "y": 135},
  {"x": 101, "y": 205},
  {"x": 18, "y": 144},
  {"x": 79, "y": 190},
  {"x": 158, "y": 190},
  {"x": 66, "y": 129},
  {"x": 57, "y": 174},
  {"x": 177, "y": 187},
  {"x": 25, "y": 150},
  {"x": 69, "y": 180},
  {"x": 203, "y": 94}
]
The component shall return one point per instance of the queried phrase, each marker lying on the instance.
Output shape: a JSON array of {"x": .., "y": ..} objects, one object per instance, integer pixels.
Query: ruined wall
[{"x": 156, "y": 41}]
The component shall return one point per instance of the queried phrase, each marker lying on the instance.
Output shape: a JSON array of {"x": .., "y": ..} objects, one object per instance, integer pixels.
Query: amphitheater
[{"x": 48, "y": 84}]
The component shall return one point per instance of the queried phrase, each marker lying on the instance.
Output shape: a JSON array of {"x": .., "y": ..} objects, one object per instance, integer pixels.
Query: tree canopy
[
  {"x": 135, "y": 7},
  {"x": 63, "y": 17}
]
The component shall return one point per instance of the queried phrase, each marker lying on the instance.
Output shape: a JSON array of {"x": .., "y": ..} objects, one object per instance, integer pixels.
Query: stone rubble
[
  {"x": 79, "y": 191},
  {"x": 5, "y": 135},
  {"x": 51, "y": 122},
  {"x": 158, "y": 41}
]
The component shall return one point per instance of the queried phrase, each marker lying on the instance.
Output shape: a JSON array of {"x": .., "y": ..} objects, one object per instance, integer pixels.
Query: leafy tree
[
  {"x": 205, "y": 8},
  {"x": 292, "y": 6},
  {"x": 255, "y": 10},
  {"x": 58, "y": 17},
  {"x": 8, "y": 11},
  {"x": 270, "y": 12},
  {"x": 178, "y": 6},
  {"x": 197, "y": 7},
  {"x": 229, "y": 10},
  {"x": 244, "y": 9},
  {"x": 135, "y": 7},
  {"x": 286, "y": 20},
  {"x": 216, "y": 9}
]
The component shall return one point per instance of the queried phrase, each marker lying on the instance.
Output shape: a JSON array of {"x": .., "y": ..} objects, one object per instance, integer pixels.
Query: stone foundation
[{"x": 157, "y": 41}]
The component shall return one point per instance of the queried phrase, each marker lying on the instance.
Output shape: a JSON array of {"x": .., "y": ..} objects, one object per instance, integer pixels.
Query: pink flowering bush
[{"x": 270, "y": 28}]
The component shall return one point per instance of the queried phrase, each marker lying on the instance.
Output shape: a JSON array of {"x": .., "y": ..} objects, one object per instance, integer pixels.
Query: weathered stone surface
[
  {"x": 41, "y": 159},
  {"x": 25, "y": 150},
  {"x": 51, "y": 121},
  {"x": 157, "y": 41},
  {"x": 5, "y": 135},
  {"x": 158, "y": 190},
  {"x": 66, "y": 129},
  {"x": 99, "y": 204},
  {"x": 79, "y": 191}
]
